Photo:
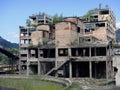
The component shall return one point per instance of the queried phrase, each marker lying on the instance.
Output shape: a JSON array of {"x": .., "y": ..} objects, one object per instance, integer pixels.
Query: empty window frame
[
  {"x": 78, "y": 29},
  {"x": 104, "y": 12},
  {"x": 63, "y": 52},
  {"x": 100, "y": 24}
]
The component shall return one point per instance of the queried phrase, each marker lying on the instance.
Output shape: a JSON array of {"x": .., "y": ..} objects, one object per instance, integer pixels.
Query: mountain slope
[
  {"x": 118, "y": 35},
  {"x": 8, "y": 44}
]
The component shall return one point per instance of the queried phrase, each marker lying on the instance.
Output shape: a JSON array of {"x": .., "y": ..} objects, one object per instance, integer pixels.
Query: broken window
[
  {"x": 63, "y": 52},
  {"x": 85, "y": 51},
  {"x": 100, "y": 24},
  {"x": 87, "y": 39},
  {"x": 78, "y": 29},
  {"x": 23, "y": 55},
  {"x": 95, "y": 16},
  {"x": 104, "y": 12},
  {"x": 101, "y": 51},
  {"x": 89, "y": 25},
  {"x": 74, "y": 52},
  {"x": 24, "y": 41},
  {"x": 43, "y": 34},
  {"x": 87, "y": 30},
  {"x": 31, "y": 30},
  {"x": 94, "y": 12},
  {"x": 47, "y": 53},
  {"x": 93, "y": 51},
  {"x": 23, "y": 48}
]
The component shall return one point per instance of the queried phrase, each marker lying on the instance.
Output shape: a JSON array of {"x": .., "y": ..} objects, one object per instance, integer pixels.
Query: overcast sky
[{"x": 13, "y": 13}]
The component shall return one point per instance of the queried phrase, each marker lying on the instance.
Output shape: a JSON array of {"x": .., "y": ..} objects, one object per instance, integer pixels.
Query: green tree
[
  {"x": 4, "y": 59},
  {"x": 86, "y": 17},
  {"x": 57, "y": 18},
  {"x": 14, "y": 51},
  {"x": 28, "y": 22}
]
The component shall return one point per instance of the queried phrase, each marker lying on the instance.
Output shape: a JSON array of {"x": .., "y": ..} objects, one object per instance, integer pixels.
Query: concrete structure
[
  {"x": 26, "y": 33},
  {"x": 116, "y": 64},
  {"x": 101, "y": 24},
  {"x": 67, "y": 50}
]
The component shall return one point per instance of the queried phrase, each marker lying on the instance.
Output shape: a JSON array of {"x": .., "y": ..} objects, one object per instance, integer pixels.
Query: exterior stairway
[{"x": 59, "y": 64}]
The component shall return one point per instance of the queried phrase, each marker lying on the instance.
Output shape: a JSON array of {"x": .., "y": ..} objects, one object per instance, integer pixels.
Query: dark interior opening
[
  {"x": 100, "y": 24},
  {"x": 34, "y": 54},
  {"x": 92, "y": 51},
  {"x": 101, "y": 51},
  {"x": 98, "y": 69},
  {"x": 48, "y": 53},
  {"x": 33, "y": 69},
  {"x": 23, "y": 55},
  {"x": 63, "y": 52},
  {"x": 104, "y": 12},
  {"x": 78, "y": 29},
  {"x": 80, "y": 69},
  {"x": 24, "y": 67},
  {"x": 87, "y": 30},
  {"x": 46, "y": 67},
  {"x": 80, "y": 52}
]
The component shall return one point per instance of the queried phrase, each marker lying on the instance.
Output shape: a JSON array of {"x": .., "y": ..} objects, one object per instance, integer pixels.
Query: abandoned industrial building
[{"x": 70, "y": 48}]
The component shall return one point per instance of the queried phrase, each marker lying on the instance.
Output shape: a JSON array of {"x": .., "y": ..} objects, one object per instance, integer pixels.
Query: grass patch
[
  {"x": 74, "y": 86},
  {"x": 29, "y": 84}
]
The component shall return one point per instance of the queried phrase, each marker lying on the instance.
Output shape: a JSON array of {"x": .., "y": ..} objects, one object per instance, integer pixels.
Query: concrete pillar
[
  {"x": 28, "y": 62},
  {"x": 39, "y": 68},
  {"x": 90, "y": 63},
  {"x": 39, "y": 62},
  {"x": 106, "y": 69},
  {"x": 56, "y": 56},
  {"x": 19, "y": 66},
  {"x": 70, "y": 63},
  {"x": 90, "y": 52},
  {"x": 70, "y": 69},
  {"x": 69, "y": 52},
  {"x": 28, "y": 69},
  {"x": 90, "y": 69}
]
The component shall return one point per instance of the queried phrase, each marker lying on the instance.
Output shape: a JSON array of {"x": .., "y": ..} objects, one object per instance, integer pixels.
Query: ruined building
[{"x": 70, "y": 48}]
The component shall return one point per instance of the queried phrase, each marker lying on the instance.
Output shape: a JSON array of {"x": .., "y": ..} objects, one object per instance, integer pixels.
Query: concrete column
[
  {"x": 112, "y": 69},
  {"x": 69, "y": 52},
  {"x": 70, "y": 63},
  {"x": 19, "y": 52},
  {"x": 90, "y": 63},
  {"x": 90, "y": 69},
  {"x": 70, "y": 69},
  {"x": 28, "y": 62},
  {"x": 106, "y": 69},
  {"x": 56, "y": 56},
  {"x": 90, "y": 52},
  {"x": 39, "y": 68},
  {"x": 39, "y": 62}
]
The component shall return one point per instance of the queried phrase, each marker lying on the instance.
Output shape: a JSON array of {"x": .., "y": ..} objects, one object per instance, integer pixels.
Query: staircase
[{"x": 59, "y": 64}]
